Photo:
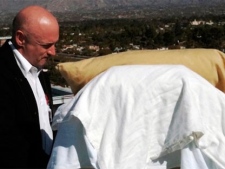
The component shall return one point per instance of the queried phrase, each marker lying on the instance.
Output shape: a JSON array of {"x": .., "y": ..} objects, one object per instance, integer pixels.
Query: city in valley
[{"x": 101, "y": 32}]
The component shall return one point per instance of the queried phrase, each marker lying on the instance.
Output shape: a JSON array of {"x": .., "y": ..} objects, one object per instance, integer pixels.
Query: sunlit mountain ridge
[
  {"x": 88, "y": 5},
  {"x": 75, "y": 10}
]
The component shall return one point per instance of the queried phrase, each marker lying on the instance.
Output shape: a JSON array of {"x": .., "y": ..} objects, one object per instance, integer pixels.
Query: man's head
[{"x": 35, "y": 32}]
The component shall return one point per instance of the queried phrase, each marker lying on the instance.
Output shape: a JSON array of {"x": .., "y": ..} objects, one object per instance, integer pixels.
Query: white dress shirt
[{"x": 31, "y": 74}]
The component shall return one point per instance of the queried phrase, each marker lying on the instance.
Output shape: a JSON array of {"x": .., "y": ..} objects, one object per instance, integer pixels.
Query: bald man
[{"x": 25, "y": 131}]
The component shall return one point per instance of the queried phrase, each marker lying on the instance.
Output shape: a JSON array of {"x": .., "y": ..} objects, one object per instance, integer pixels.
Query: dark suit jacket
[{"x": 20, "y": 136}]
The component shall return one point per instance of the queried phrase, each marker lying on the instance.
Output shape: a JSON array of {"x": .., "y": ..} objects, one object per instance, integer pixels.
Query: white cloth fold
[{"x": 134, "y": 115}]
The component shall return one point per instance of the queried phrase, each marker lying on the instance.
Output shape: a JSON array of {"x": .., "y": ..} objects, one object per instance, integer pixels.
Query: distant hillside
[
  {"x": 73, "y": 10},
  {"x": 85, "y": 5}
]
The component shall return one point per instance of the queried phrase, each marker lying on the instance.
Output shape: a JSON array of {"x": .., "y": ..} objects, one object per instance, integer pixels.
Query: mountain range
[
  {"x": 88, "y": 5},
  {"x": 78, "y": 10}
]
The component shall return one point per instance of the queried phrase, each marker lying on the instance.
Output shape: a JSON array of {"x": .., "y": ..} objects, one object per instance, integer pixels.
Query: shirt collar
[{"x": 22, "y": 62}]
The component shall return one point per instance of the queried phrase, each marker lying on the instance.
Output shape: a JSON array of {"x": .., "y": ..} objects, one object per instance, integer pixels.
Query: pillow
[{"x": 209, "y": 63}]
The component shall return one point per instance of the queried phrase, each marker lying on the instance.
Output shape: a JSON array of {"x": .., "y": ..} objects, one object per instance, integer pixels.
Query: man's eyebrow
[
  {"x": 45, "y": 43},
  {"x": 50, "y": 43}
]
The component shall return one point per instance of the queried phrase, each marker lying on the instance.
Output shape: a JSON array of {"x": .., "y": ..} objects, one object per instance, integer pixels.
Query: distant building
[
  {"x": 195, "y": 22},
  {"x": 94, "y": 47},
  {"x": 3, "y": 39}
]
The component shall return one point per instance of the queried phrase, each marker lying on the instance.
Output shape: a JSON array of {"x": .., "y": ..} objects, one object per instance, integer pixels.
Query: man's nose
[{"x": 51, "y": 50}]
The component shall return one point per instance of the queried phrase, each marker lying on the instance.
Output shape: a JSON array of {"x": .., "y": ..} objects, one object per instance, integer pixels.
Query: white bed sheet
[{"x": 142, "y": 117}]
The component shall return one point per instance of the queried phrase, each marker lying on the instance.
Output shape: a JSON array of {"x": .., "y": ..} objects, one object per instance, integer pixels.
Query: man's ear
[{"x": 20, "y": 38}]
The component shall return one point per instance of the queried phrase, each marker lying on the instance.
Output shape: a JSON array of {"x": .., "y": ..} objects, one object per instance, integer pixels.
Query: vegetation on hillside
[{"x": 93, "y": 38}]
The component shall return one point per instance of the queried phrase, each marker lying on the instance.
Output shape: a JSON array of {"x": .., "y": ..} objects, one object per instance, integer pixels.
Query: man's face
[{"x": 40, "y": 46}]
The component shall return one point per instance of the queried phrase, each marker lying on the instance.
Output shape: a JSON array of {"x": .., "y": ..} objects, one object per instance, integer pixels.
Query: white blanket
[{"x": 133, "y": 115}]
